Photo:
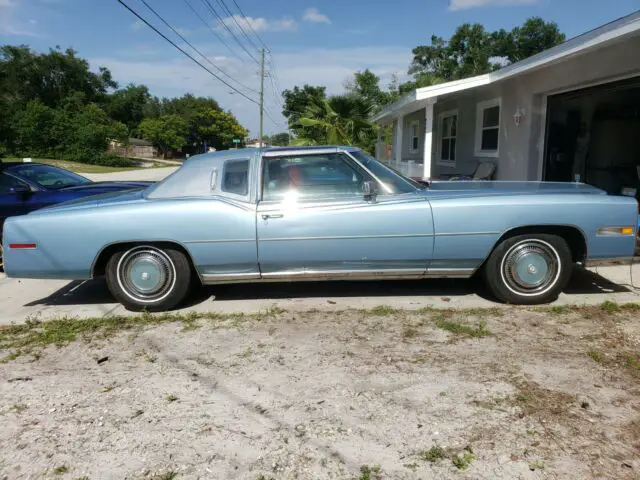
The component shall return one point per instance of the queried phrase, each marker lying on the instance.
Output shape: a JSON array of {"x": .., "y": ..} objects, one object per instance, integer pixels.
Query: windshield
[
  {"x": 392, "y": 179},
  {"x": 49, "y": 177}
]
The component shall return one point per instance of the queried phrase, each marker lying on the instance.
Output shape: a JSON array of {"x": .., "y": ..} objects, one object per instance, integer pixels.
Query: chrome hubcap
[
  {"x": 531, "y": 267},
  {"x": 146, "y": 274}
]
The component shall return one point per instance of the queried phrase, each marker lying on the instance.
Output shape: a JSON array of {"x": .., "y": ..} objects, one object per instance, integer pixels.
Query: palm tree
[{"x": 338, "y": 120}]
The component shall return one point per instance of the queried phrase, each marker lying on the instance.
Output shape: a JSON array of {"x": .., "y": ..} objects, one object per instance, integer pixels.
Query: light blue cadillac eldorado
[{"x": 319, "y": 213}]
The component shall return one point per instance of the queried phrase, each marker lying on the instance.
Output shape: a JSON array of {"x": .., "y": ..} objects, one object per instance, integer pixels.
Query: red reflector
[{"x": 16, "y": 246}]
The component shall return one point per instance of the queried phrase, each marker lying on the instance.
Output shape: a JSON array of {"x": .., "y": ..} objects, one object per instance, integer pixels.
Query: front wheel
[
  {"x": 149, "y": 278},
  {"x": 529, "y": 269}
]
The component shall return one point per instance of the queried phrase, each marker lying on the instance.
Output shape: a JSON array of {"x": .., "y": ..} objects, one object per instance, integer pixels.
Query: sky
[{"x": 319, "y": 42}]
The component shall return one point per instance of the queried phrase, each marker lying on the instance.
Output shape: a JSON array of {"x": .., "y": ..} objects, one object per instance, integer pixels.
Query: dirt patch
[{"x": 515, "y": 393}]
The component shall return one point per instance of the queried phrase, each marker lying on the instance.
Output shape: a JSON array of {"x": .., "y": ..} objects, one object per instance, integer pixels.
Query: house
[
  {"x": 569, "y": 113},
  {"x": 255, "y": 143},
  {"x": 136, "y": 148}
]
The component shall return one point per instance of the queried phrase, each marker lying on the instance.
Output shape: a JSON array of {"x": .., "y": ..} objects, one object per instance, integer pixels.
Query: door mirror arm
[{"x": 369, "y": 190}]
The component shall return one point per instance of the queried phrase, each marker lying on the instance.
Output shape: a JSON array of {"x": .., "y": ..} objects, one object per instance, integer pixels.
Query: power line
[
  {"x": 206, "y": 24},
  {"x": 142, "y": 19},
  {"x": 211, "y": 8},
  {"x": 195, "y": 49},
  {"x": 251, "y": 27},
  {"x": 233, "y": 17}
]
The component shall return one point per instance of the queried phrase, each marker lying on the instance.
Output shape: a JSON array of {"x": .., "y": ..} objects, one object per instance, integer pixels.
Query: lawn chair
[{"x": 484, "y": 171}]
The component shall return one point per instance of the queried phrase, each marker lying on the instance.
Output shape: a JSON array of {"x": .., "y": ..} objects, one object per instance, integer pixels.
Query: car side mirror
[
  {"x": 369, "y": 190},
  {"x": 21, "y": 189}
]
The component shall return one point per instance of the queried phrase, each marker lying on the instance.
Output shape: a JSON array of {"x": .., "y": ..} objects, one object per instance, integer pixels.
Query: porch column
[
  {"x": 428, "y": 141},
  {"x": 379, "y": 144},
  {"x": 398, "y": 145}
]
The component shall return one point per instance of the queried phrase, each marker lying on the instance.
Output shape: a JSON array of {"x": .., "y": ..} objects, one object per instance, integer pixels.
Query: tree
[
  {"x": 472, "y": 50},
  {"x": 128, "y": 104},
  {"x": 166, "y": 132},
  {"x": 296, "y": 102},
  {"x": 280, "y": 139},
  {"x": 340, "y": 119},
  {"x": 366, "y": 85},
  {"x": 217, "y": 128},
  {"x": 49, "y": 77},
  {"x": 93, "y": 129}
]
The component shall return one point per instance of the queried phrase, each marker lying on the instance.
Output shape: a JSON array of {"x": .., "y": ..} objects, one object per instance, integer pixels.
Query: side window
[
  {"x": 310, "y": 177},
  {"x": 7, "y": 183},
  {"x": 235, "y": 178}
]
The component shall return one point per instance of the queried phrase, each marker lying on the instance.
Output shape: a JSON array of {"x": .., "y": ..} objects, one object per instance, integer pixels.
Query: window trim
[
  {"x": 411, "y": 136},
  {"x": 480, "y": 108},
  {"x": 355, "y": 165},
  {"x": 441, "y": 117},
  {"x": 219, "y": 190}
]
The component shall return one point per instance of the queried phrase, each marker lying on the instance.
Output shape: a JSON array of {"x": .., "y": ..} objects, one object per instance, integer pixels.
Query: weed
[
  {"x": 171, "y": 398},
  {"x": 381, "y": 311},
  {"x": 463, "y": 460},
  {"x": 61, "y": 469},
  {"x": 369, "y": 473},
  {"x": 170, "y": 475},
  {"x": 536, "y": 465},
  {"x": 409, "y": 332},
  {"x": 18, "y": 408},
  {"x": 610, "y": 307},
  {"x": 411, "y": 466},
  {"x": 532, "y": 432},
  {"x": 458, "y": 328},
  {"x": 150, "y": 358},
  {"x": 434, "y": 454},
  {"x": 246, "y": 353},
  {"x": 595, "y": 355},
  {"x": 262, "y": 477},
  {"x": 560, "y": 309},
  {"x": 109, "y": 388},
  {"x": 81, "y": 478},
  {"x": 630, "y": 360}
]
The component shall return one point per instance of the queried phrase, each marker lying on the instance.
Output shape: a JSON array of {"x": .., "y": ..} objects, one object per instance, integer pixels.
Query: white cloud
[
  {"x": 329, "y": 67},
  {"x": 6, "y": 3},
  {"x": 313, "y": 15},
  {"x": 455, "y": 5},
  {"x": 258, "y": 24}
]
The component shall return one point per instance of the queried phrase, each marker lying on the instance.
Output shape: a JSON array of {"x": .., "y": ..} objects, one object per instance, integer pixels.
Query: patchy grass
[
  {"x": 381, "y": 311},
  {"x": 458, "y": 328},
  {"x": 35, "y": 334},
  {"x": 434, "y": 454},
  {"x": 369, "y": 473},
  {"x": 463, "y": 460},
  {"x": 595, "y": 356},
  {"x": 62, "y": 469},
  {"x": 409, "y": 332},
  {"x": 171, "y": 398}
]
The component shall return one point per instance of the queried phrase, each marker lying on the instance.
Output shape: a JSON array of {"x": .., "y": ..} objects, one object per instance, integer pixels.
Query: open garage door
[{"x": 593, "y": 136}]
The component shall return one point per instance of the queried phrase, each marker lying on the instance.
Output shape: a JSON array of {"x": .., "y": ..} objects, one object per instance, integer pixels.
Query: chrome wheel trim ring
[
  {"x": 147, "y": 263},
  {"x": 523, "y": 262}
]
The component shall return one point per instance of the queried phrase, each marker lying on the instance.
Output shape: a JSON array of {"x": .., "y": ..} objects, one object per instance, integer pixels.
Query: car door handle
[{"x": 267, "y": 216}]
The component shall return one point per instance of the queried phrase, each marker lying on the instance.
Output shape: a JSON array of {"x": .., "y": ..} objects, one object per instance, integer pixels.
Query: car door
[{"x": 313, "y": 220}]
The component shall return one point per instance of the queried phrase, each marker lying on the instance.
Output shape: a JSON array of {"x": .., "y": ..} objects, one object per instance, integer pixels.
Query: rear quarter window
[{"x": 235, "y": 177}]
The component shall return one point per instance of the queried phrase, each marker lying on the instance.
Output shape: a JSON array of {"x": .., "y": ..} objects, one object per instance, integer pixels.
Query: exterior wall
[
  {"x": 521, "y": 146},
  {"x": 418, "y": 116}
]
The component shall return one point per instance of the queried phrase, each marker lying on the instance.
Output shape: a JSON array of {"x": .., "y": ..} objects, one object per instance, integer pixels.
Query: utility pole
[{"x": 261, "y": 95}]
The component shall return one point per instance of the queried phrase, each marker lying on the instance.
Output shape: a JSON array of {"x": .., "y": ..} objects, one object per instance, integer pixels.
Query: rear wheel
[
  {"x": 149, "y": 278},
  {"x": 529, "y": 269}
]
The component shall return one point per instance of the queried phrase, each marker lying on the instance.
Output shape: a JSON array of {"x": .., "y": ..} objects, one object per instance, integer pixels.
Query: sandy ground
[{"x": 343, "y": 395}]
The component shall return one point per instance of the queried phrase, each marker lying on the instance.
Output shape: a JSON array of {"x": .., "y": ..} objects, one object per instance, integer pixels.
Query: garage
[{"x": 593, "y": 136}]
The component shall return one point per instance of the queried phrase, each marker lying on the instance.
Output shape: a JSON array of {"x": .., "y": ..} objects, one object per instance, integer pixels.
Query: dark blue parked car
[{"x": 25, "y": 187}]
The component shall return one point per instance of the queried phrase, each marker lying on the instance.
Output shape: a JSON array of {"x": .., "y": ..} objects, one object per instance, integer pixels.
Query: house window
[
  {"x": 488, "y": 128},
  {"x": 448, "y": 127},
  {"x": 415, "y": 125}
]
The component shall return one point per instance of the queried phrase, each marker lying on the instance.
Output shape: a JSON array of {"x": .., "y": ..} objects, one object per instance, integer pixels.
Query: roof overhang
[{"x": 610, "y": 33}]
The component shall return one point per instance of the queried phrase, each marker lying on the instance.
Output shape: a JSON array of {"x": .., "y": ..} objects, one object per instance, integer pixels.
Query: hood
[
  {"x": 103, "y": 187},
  {"x": 477, "y": 188}
]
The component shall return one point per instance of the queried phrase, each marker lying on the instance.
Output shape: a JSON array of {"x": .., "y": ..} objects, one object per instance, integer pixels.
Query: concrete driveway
[{"x": 20, "y": 299}]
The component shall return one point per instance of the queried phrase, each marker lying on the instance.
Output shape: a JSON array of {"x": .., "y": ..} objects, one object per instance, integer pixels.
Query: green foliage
[
  {"x": 53, "y": 106},
  {"x": 127, "y": 106},
  {"x": 472, "y": 50},
  {"x": 166, "y": 132},
  {"x": 296, "y": 103},
  {"x": 434, "y": 454},
  {"x": 463, "y": 460},
  {"x": 280, "y": 139}
]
